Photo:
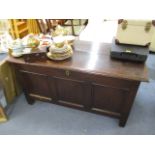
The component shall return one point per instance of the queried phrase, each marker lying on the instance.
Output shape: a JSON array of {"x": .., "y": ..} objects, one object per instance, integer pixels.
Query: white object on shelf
[
  {"x": 5, "y": 41},
  {"x": 2, "y": 99}
]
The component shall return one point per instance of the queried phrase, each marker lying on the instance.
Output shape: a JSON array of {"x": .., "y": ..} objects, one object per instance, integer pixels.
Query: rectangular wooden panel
[
  {"x": 108, "y": 98},
  {"x": 36, "y": 84},
  {"x": 70, "y": 92}
]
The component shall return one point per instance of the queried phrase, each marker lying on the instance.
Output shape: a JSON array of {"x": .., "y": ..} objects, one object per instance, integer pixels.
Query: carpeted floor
[{"x": 44, "y": 118}]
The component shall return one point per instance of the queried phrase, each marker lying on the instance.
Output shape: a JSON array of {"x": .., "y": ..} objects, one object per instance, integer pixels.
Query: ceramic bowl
[{"x": 59, "y": 41}]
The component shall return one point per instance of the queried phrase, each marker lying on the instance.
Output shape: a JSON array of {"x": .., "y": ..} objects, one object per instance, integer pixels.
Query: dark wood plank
[
  {"x": 95, "y": 58},
  {"x": 70, "y": 91}
]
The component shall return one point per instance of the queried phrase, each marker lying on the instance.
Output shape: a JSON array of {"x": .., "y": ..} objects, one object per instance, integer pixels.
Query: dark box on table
[
  {"x": 35, "y": 55},
  {"x": 129, "y": 52}
]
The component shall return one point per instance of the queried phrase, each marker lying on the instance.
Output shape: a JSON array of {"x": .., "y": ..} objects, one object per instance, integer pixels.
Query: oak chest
[{"x": 89, "y": 81}]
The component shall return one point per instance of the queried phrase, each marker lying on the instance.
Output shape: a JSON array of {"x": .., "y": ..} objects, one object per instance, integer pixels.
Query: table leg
[
  {"x": 29, "y": 99},
  {"x": 122, "y": 121},
  {"x": 128, "y": 104}
]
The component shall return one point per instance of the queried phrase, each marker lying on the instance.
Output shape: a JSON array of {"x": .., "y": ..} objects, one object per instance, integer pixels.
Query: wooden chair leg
[{"x": 72, "y": 25}]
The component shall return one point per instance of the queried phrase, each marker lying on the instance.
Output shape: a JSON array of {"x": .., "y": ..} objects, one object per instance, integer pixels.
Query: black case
[{"x": 129, "y": 52}]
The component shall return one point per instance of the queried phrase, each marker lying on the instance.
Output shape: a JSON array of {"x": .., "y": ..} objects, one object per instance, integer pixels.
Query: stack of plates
[{"x": 63, "y": 53}]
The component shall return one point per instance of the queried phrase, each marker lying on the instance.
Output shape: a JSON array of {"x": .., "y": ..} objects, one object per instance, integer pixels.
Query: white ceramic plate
[
  {"x": 58, "y": 50},
  {"x": 4, "y": 51},
  {"x": 16, "y": 55},
  {"x": 59, "y": 58},
  {"x": 69, "y": 38}
]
